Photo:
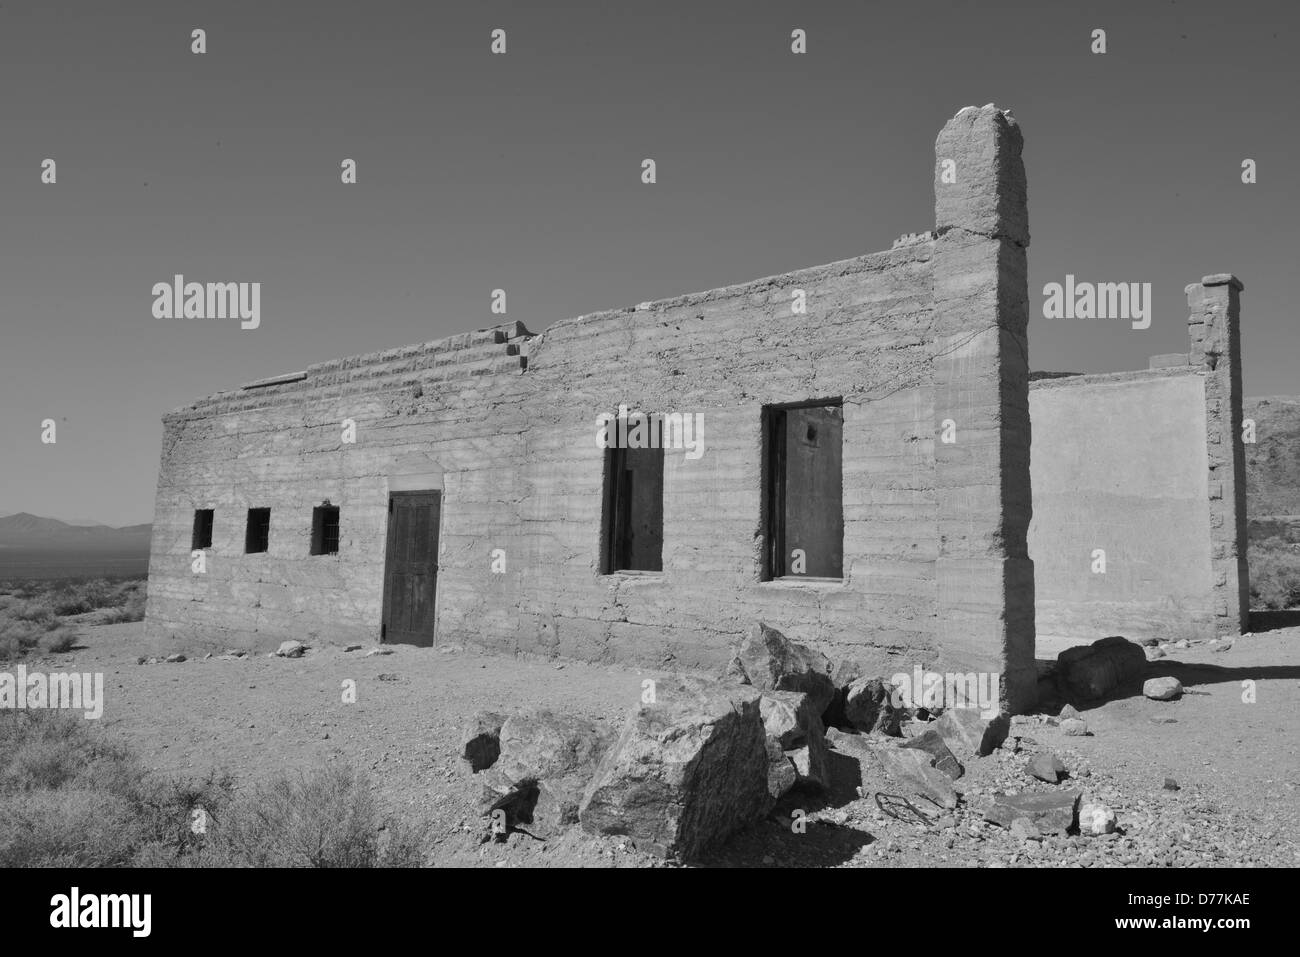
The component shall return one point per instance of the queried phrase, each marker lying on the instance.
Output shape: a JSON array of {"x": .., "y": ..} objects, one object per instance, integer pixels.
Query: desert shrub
[
  {"x": 71, "y": 797},
  {"x": 32, "y": 610},
  {"x": 325, "y": 818},
  {"x": 80, "y": 597},
  {"x": 18, "y": 637},
  {"x": 132, "y": 608},
  {"x": 1274, "y": 574},
  {"x": 59, "y": 641}
]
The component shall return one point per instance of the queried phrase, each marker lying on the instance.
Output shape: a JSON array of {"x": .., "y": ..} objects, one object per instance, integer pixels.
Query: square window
[{"x": 325, "y": 530}]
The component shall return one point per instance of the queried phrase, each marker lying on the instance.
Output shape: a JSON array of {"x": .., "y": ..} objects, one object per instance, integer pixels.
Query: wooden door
[{"x": 411, "y": 568}]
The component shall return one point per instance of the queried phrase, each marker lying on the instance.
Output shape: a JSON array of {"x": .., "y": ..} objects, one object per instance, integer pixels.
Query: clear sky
[{"x": 522, "y": 172}]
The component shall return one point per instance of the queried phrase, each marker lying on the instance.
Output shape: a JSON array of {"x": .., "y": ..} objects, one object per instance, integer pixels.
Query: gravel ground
[{"x": 1235, "y": 763}]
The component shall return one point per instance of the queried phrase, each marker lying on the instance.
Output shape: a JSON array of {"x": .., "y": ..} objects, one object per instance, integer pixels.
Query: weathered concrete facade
[
  {"x": 1148, "y": 468},
  {"x": 927, "y": 337}
]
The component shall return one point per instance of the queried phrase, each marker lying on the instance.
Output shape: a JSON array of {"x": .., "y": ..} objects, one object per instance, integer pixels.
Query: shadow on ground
[
  {"x": 1189, "y": 674},
  {"x": 1261, "y": 621},
  {"x": 825, "y": 840}
]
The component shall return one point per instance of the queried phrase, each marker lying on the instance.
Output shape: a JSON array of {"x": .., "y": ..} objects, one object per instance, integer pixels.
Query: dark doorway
[
  {"x": 634, "y": 510},
  {"x": 803, "y": 490},
  {"x": 411, "y": 568}
]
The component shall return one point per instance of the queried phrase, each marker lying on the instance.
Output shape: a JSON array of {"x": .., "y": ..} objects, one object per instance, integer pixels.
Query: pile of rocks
[{"x": 700, "y": 758}]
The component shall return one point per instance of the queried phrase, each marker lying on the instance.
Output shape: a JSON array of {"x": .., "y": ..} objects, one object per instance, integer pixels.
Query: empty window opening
[
  {"x": 201, "y": 537},
  {"x": 325, "y": 530},
  {"x": 634, "y": 510},
  {"x": 258, "y": 534},
  {"x": 803, "y": 495}
]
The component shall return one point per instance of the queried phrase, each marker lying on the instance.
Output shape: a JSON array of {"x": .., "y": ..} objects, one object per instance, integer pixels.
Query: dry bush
[
  {"x": 70, "y": 797},
  {"x": 325, "y": 818},
  {"x": 59, "y": 641},
  {"x": 1274, "y": 574},
  {"x": 18, "y": 637},
  {"x": 131, "y": 609}
]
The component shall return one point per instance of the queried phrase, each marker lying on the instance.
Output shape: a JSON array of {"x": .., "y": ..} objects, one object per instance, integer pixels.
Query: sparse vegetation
[
  {"x": 69, "y": 797},
  {"x": 1274, "y": 574},
  {"x": 32, "y": 613}
]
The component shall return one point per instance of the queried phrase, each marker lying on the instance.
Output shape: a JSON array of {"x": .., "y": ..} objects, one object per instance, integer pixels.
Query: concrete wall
[
  {"x": 935, "y": 564},
  {"x": 1119, "y": 464},
  {"x": 1148, "y": 466}
]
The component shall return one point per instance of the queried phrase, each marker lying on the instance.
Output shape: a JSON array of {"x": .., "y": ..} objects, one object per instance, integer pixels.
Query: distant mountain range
[
  {"x": 24, "y": 529},
  {"x": 32, "y": 546}
]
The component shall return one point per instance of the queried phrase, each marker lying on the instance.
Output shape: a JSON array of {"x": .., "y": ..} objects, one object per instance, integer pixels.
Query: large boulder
[
  {"x": 687, "y": 772},
  {"x": 969, "y": 733},
  {"x": 546, "y": 761},
  {"x": 1095, "y": 670},
  {"x": 869, "y": 706},
  {"x": 769, "y": 661},
  {"x": 546, "y": 744}
]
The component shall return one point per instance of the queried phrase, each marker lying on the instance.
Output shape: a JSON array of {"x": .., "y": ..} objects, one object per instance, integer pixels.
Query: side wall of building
[
  {"x": 1119, "y": 475},
  {"x": 1141, "y": 470}
]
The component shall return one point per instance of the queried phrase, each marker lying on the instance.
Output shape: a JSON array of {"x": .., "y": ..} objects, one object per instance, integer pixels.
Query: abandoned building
[{"x": 842, "y": 452}]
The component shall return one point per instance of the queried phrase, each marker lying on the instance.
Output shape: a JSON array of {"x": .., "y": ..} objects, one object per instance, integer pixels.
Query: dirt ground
[{"x": 1235, "y": 763}]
